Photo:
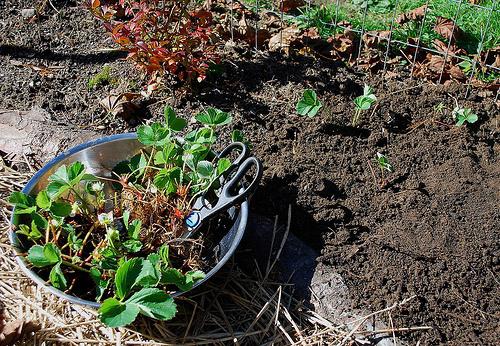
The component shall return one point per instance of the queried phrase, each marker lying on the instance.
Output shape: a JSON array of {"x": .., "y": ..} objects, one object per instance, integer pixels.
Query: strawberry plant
[
  {"x": 363, "y": 103},
  {"x": 160, "y": 36},
  {"x": 119, "y": 240},
  {"x": 463, "y": 115},
  {"x": 309, "y": 104}
]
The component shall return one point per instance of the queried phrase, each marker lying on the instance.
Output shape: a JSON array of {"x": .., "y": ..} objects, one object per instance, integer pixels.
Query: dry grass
[{"x": 234, "y": 307}]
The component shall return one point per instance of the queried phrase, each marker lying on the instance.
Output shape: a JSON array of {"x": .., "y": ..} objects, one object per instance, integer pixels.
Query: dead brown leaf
[
  {"x": 455, "y": 72},
  {"x": 290, "y": 5},
  {"x": 283, "y": 39},
  {"x": 121, "y": 105},
  {"x": 10, "y": 332},
  {"x": 447, "y": 29},
  {"x": 374, "y": 38},
  {"x": 415, "y": 14},
  {"x": 442, "y": 47},
  {"x": 492, "y": 57},
  {"x": 342, "y": 44},
  {"x": 247, "y": 33}
]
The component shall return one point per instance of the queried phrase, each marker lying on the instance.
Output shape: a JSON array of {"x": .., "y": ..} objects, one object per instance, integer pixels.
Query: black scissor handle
[
  {"x": 231, "y": 193},
  {"x": 234, "y": 146}
]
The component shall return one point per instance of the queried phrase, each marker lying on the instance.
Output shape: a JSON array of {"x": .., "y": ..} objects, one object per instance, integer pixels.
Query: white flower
[
  {"x": 153, "y": 189},
  {"x": 105, "y": 218},
  {"x": 75, "y": 209},
  {"x": 97, "y": 186}
]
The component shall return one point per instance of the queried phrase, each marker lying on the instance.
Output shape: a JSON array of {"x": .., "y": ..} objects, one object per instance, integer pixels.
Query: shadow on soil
[{"x": 20, "y": 52}]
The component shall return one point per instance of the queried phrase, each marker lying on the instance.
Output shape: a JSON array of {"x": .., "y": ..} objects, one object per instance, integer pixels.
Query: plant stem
[
  {"x": 86, "y": 238},
  {"x": 149, "y": 162},
  {"x": 74, "y": 266}
]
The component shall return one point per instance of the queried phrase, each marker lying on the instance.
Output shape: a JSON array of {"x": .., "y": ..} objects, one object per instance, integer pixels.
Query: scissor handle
[
  {"x": 231, "y": 194},
  {"x": 229, "y": 149}
]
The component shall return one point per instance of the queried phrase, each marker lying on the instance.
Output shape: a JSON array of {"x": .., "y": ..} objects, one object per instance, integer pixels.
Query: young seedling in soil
[
  {"x": 101, "y": 78},
  {"x": 308, "y": 105},
  {"x": 119, "y": 240},
  {"x": 462, "y": 115},
  {"x": 440, "y": 107},
  {"x": 384, "y": 165},
  {"x": 363, "y": 103}
]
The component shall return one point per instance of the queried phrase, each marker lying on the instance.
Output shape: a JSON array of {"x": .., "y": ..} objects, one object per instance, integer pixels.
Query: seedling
[
  {"x": 101, "y": 78},
  {"x": 363, "y": 103},
  {"x": 440, "y": 107},
  {"x": 383, "y": 163},
  {"x": 127, "y": 241},
  {"x": 462, "y": 115},
  {"x": 309, "y": 105}
]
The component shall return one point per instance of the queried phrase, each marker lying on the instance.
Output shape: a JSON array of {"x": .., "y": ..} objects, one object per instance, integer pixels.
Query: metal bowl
[{"x": 100, "y": 157}]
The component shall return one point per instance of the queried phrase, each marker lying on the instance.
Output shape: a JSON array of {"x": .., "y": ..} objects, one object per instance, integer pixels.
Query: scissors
[{"x": 232, "y": 191}]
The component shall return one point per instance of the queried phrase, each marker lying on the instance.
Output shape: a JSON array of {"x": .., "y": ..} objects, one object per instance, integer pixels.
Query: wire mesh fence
[{"x": 453, "y": 39}]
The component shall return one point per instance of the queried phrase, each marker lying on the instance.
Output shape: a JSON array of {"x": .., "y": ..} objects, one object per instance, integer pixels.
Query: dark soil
[{"x": 429, "y": 229}]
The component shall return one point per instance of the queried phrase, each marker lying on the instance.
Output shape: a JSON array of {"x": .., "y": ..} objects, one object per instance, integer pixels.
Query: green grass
[
  {"x": 471, "y": 20},
  {"x": 101, "y": 78}
]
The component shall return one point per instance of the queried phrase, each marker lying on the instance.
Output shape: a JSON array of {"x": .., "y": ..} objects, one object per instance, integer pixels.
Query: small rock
[{"x": 28, "y": 13}]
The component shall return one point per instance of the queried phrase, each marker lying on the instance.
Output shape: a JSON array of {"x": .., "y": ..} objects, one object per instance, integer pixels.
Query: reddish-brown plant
[{"x": 161, "y": 36}]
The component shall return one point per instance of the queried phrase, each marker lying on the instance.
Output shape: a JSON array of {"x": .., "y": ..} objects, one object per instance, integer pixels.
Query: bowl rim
[{"x": 240, "y": 221}]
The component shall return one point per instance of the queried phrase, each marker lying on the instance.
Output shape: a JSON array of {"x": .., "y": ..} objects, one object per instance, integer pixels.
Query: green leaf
[
  {"x": 57, "y": 278},
  {"x": 173, "y": 122},
  {"x": 154, "y": 259},
  {"x": 163, "y": 253},
  {"x": 309, "y": 105},
  {"x": 365, "y": 101},
  {"x": 43, "y": 200},
  {"x": 134, "y": 229},
  {"x": 126, "y": 275},
  {"x": 35, "y": 233},
  {"x": 214, "y": 117},
  {"x": 238, "y": 136},
  {"x": 183, "y": 282},
  {"x": 113, "y": 313},
  {"x": 18, "y": 197},
  {"x": 154, "y": 135},
  {"x": 21, "y": 210},
  {"x": 126, "y": 216},
  {"x": 463, "y": 115},
  {"x": 24, "y": 204},
  {"x": 74, "y": 242},
  {"x": 154, "y": 303},
  {"x": 167, "y": 155},
  {"x": 132, "y": 245},
  {"x": 40, "y": 221},
  {"x": 101, "y": 284},
  {"x": 43, "y": 256},
  {"x": 168, "y": 179},
  {"x": 61, "y": 209},
  {"x": 75, "y": 173},
  {"x": 138, "y": 163},
  {"x": 205, "y": 169},
  {"x": 149, "y": 275},
  {"x": 60, "y": 176},
  {"x": 56, "y": 189},
  {"x": 222, "y": 165},
  {"x": 383, "y": 162},
  {"x": 205, "y": 136},
  {"x": 24, "y": 230}
]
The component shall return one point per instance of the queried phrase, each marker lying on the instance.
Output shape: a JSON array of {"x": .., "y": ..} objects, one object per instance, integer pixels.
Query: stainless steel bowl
[{"x": 100, "y": 157}]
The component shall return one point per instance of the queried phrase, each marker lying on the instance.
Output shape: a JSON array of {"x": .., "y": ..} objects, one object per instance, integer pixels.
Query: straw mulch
[{"x": 232, "y": 308}]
